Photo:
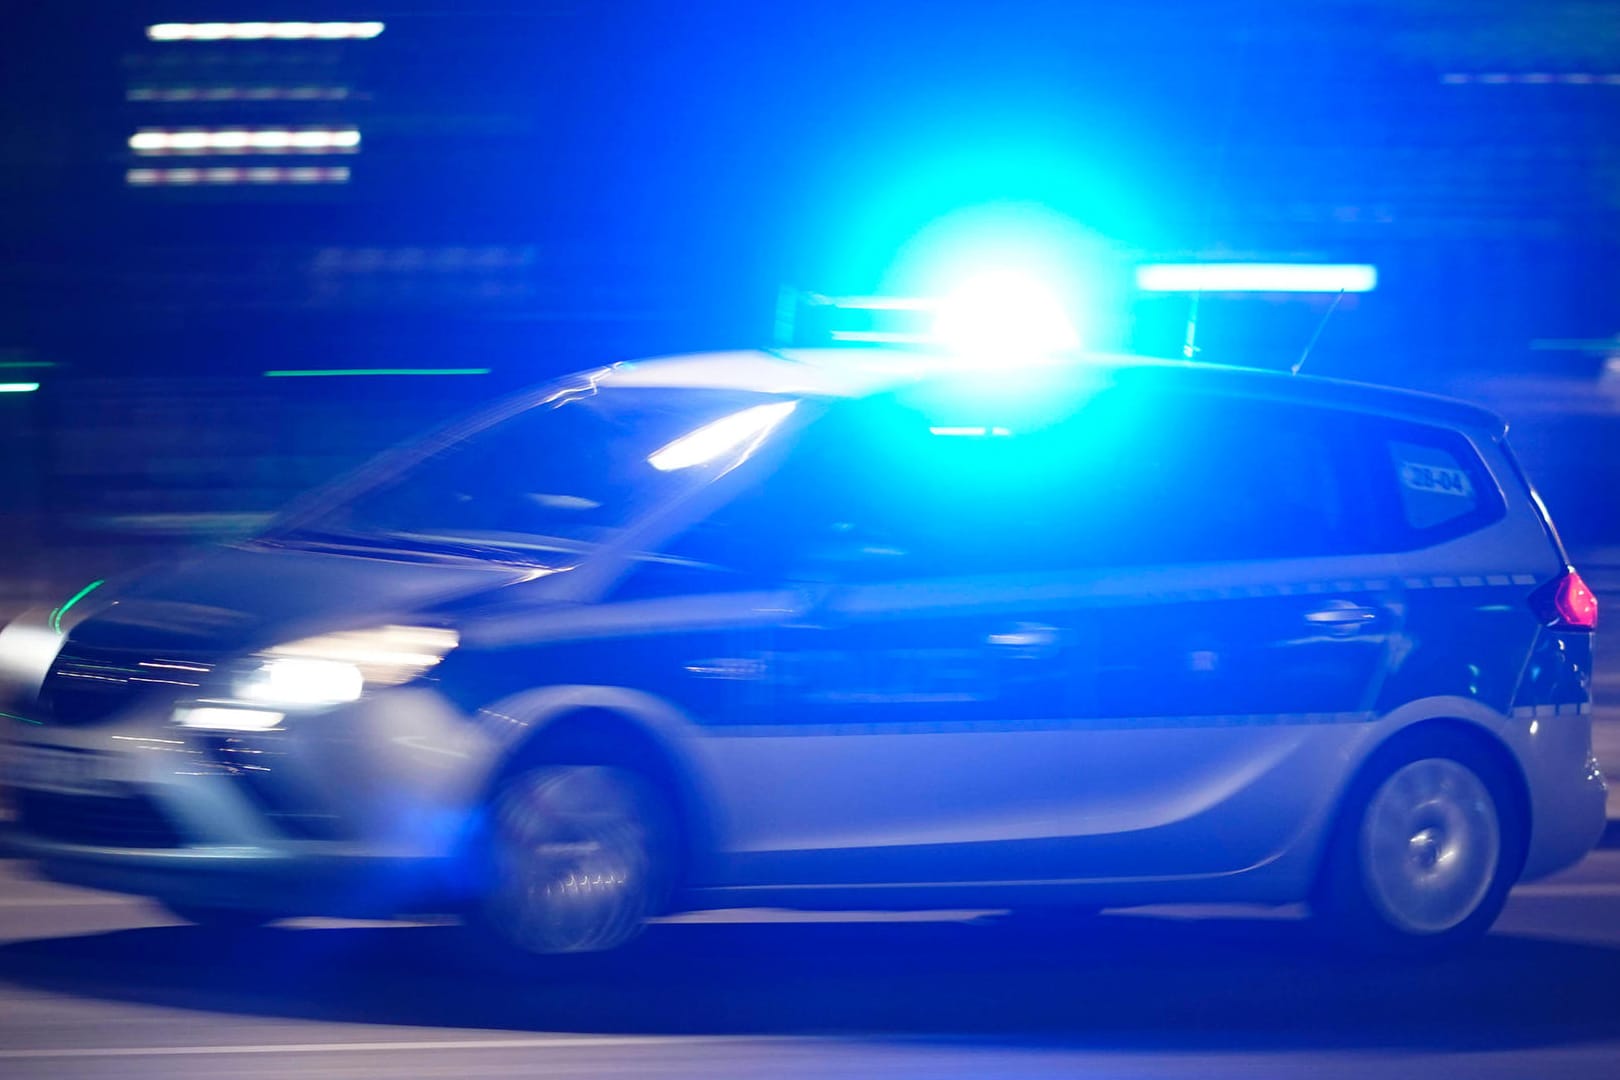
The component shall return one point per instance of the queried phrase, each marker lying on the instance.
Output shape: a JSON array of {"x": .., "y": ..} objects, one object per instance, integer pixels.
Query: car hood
[{"x": 248, "y": 597}]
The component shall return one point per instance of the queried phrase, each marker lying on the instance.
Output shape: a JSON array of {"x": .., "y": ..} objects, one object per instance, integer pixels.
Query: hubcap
[
  {"x": 573, "y": 860},
  {"x": 1430, "y": 845}
]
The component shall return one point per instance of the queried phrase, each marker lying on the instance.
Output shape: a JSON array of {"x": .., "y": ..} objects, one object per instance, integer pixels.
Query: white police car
[{"x": 846, "y": 628}]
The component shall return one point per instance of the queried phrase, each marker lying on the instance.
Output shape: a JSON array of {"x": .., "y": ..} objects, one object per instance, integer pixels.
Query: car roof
[{"x": 863, "y": 372}]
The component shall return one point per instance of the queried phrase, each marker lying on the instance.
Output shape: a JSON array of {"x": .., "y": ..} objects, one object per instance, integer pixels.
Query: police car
[{"x": 846, "y": 628}]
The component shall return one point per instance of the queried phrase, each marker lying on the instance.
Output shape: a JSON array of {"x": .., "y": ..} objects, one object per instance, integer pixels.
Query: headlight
[{"x": 335, "y": 668}]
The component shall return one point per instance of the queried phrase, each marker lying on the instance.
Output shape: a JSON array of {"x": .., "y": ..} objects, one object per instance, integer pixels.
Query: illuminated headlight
[{"x": 336, "y": 668}]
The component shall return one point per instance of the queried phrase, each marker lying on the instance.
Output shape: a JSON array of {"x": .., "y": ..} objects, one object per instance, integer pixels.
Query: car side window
[
  {"x": 1437, "y": 485},
  {"x": 1135, "y": 478},
  {"x": 820, "y": 514},
  {"x": 1195, "y": 479}
]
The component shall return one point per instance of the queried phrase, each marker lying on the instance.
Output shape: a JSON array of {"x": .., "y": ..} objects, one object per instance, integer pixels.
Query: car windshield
[{"x": 551, "y": 480}]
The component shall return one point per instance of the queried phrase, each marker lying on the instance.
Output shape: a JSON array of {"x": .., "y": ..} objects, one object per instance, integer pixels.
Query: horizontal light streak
[
  {"x": 262, "y": 31},
  {"x": 1257, "y": 277},
  {"x": 304, "y": 174},
  {"x": 289, "y": 373},
  {"x": 246, "y": 141},
  {"x": 236, "y": 93},
  {"x": 18, "y": 387},
  {"x": 1532, "y": 78}
]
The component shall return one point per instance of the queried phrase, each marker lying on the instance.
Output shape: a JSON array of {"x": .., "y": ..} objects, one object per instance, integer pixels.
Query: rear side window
[{"x": 1432, "y": 482}]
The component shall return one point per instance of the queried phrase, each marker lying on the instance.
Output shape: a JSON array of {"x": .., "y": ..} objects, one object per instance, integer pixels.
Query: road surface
[{"x": 95, "y": 985}]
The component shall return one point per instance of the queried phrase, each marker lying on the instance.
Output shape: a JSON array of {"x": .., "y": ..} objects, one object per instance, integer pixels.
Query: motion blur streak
[
  {"x": 233, "y": 175},
  {"x": 259, "y": 31},
  {"x": 246, "y": 140},
  {"x": 236, "y": 93}
]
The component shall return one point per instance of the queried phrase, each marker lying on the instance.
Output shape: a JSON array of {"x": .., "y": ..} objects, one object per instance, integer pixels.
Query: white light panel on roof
[{"x": 1257, "y": 277}]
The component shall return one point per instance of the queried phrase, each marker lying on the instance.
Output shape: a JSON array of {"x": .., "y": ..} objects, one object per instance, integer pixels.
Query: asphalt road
[{"x": 95, "y": 985}]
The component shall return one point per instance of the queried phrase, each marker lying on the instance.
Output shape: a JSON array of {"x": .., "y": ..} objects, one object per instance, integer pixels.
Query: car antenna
[
  {"x": 1311, "y": 344},
  {"x": 1189, "y": 348}
]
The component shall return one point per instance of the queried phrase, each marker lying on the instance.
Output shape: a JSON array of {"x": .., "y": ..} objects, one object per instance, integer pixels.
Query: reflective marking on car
[
  {"x": 1583, "y": 708},
  {"x": 1102, "y": 723},
  {"x": 1162, "y": 585}
]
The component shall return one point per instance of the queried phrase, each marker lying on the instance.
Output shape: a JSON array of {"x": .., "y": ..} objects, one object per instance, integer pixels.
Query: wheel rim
[
  {"x": 572, "y": 859},
  {"x": 1430, "y": 845}
]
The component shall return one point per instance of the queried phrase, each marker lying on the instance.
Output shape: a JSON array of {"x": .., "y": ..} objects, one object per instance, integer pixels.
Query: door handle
[{"x": 1341, "y": 616}]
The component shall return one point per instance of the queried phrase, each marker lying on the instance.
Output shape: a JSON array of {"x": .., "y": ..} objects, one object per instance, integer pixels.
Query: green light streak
[
  {"x": 56, "y": 616},
  {"x": 18, "y": 387},
  {"x": 20, "y": 719},
  {"x": 329, "y": 372},
  {"x": 4, "y": 364}
]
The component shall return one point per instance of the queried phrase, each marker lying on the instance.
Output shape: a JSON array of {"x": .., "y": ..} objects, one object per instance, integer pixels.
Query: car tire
[
  {"x": 220, "y": 918},
  {"x": 1428, "y": 843},
  {"x": 578, "y": 857}
]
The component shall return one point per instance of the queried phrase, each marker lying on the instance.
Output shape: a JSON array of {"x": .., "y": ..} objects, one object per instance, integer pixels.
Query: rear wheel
[
  {"x": 579, "y": 858},
  {"x": 1426, "y": 851}
]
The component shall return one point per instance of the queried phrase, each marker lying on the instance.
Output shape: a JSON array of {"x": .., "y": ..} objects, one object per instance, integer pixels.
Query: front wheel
[
  {"x": 579, "y": 859},
  {"x": 1425, "y": 852}
]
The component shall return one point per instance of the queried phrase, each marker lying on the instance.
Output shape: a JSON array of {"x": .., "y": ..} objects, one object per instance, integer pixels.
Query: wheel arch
[
  {"x": 1397, "y": 745},
  {"x": 613, "y": 730}
]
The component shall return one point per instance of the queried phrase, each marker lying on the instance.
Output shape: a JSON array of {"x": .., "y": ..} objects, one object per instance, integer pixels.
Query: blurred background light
[
  {"x": 1256, "y": 277},
  {"x": 236, "y": 93},
  {"x": 261, "y": 31},
  {"x": 246, "y": 140},
  {"x": 232, "y": 175}
]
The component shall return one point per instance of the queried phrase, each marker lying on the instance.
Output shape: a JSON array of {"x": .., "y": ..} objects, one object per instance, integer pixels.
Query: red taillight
[{"x": 1573, "y": 606}]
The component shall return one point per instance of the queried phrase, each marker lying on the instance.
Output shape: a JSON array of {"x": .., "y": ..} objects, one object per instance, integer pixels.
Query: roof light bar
[
  {"x": 1257, "y": 277},
  {"x": 262, "y": 31},
  {"x": 234, "y": 175},
  {"x": 246, "y": 141}
]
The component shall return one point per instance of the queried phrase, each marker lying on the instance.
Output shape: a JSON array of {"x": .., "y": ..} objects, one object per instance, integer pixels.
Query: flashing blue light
[
  {"x": 1004, "y": 315},
  {"x": 18, "y": 387}
]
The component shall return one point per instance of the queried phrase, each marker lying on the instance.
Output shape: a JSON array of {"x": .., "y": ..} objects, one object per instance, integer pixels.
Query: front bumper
[
  {"x": 363, "y": 811},
  {"x": 315, "y": 880}
]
